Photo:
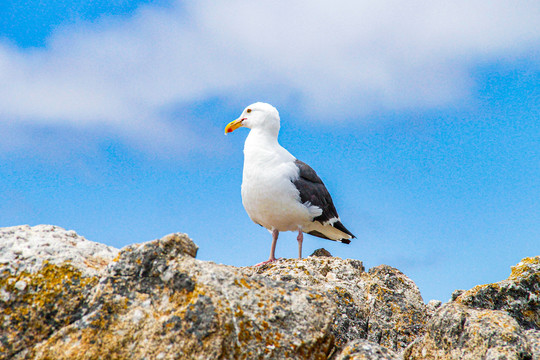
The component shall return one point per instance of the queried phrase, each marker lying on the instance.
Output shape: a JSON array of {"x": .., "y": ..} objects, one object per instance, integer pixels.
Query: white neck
[
  {"x": 262, "y": 147},
  {"x": 261, "y": 137}
]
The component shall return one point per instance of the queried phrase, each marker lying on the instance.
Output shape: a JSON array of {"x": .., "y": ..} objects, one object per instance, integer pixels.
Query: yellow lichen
[
  {"x": 523, "y": 267},
  {"x": 239, "y": 312},
  {"x": 48, "y": 301},
  {"x": 477, "y": 289}
]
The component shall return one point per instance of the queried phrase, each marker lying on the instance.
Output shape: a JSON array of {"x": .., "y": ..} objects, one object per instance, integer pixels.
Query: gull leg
[
  {"x": 300, "y": 239},
  {"x": 272, "y": 258},
  {"x": 275, "y": 234}
]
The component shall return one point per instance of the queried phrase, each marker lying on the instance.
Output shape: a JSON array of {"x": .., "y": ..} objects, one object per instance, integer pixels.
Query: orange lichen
[
  {"x": 46, "y": 301},
  {"x": 523, "y": 267}
]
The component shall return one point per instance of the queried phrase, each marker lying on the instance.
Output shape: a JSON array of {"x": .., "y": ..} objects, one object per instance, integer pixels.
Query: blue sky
[{"x": 423, "y": 119}]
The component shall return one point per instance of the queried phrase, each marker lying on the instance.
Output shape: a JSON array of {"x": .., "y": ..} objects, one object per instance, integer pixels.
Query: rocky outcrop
[
  {"x": 459, "y": 332},
  {"x": 157, "y": 302},
  {"x": 493, "y": 321},
  {"x": 519, "y": 295},
  {"x": 45, "y": 274},
  {"x": 64, "y": 297},
  {"x": 381, "y": 305}
]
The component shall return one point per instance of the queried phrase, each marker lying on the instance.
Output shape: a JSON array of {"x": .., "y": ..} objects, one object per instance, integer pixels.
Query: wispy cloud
[{"x": 126, "y": 74}]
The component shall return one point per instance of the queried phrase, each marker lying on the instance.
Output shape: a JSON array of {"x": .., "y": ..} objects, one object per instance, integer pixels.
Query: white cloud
[{"x": 341, "y": 57}]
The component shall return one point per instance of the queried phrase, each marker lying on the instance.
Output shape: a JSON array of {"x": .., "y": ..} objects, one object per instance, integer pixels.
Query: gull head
[{"x": 256, "y": 116}]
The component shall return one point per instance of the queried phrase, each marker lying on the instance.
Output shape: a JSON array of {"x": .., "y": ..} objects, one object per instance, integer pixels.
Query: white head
[{"x": 260, "y": 116}]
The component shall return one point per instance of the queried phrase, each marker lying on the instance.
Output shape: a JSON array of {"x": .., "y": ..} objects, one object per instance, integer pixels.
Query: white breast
[{"x": 268, "y": 194}]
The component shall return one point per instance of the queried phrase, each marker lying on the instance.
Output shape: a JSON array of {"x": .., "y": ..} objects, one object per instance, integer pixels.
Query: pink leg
[
  {"x": 272, "y": 258},
  {"x": 275, "y": 234},
  {"x": 300, "y": 239}
]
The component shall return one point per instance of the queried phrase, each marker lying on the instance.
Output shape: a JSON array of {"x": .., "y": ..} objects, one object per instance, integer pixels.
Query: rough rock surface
[
  {"x": 365, "y": 350},
  {"x": 533, "y": 338},
  {"x": 28, "y": 249},
  {"x": 321, "y": 252},
  {"x": 64, "y": 297},
  {"x": 382, "y": 305},
  {"x": 158, "y": 302},
  {"x": 519, "y": 295},
  {"x": 459, "y": 332},
  {"x": 493, "y": 321},
  {"x": 45, "y": 272}
]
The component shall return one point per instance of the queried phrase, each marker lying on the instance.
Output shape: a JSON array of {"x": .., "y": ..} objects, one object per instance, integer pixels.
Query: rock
[
  {"x": 432, "y": 306},
  {"x": 181, "y": 245},
  {"x": 365, "y": 350},
  {"x": 519, "y": 295},
  {"x": 64, "y": 297},
  {"x": 25, "y": 249},
  {"x": 459, "y": 332},
  {"x": 456, "y": 294},
  {"x": 397, "y": 311},
  {"x": 382, "y": 306},
  {"x": 321, "y": 252},
  {"x": 45, "y": 275},
  {"x": 533, "y": 338},
  {"x": 493, "y": 321},
  {"x": 157, "y": 301}
]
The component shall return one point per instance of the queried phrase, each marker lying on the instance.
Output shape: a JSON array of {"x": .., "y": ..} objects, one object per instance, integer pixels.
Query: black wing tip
[
  {"x": 338, "y": 225},
  {"x": 346, "y": 241}
]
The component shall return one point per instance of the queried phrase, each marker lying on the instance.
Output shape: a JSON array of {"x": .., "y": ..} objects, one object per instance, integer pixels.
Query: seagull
[{"x": 280, "y": 192}]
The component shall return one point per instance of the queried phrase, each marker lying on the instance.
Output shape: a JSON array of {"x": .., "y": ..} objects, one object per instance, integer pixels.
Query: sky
[{"x": 421, "y": 117}]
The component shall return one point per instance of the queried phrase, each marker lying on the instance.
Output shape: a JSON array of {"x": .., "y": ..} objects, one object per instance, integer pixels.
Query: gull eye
[{"x": 248, "y": 111}]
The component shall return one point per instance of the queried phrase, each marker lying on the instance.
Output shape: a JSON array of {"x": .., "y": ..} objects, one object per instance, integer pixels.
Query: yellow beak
[{"x": 233, "y": 125}]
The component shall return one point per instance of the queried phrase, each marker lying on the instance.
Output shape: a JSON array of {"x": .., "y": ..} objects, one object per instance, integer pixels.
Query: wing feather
[{"x": 312, "y": 190}]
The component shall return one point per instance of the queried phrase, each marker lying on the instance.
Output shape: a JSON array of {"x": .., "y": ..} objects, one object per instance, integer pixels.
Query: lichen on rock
[
  {"x": 361, "y": 349},
  {"x": 519, "y": 295},
  {"x": 382, "y": 305},
  {"x": 46, "y": 275},
  {"x": 64, "y": 297},
  {"x": 492, "y": 321},
  {"x": 459, "y": 332},
  {"x": 167, "y": 305}
]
